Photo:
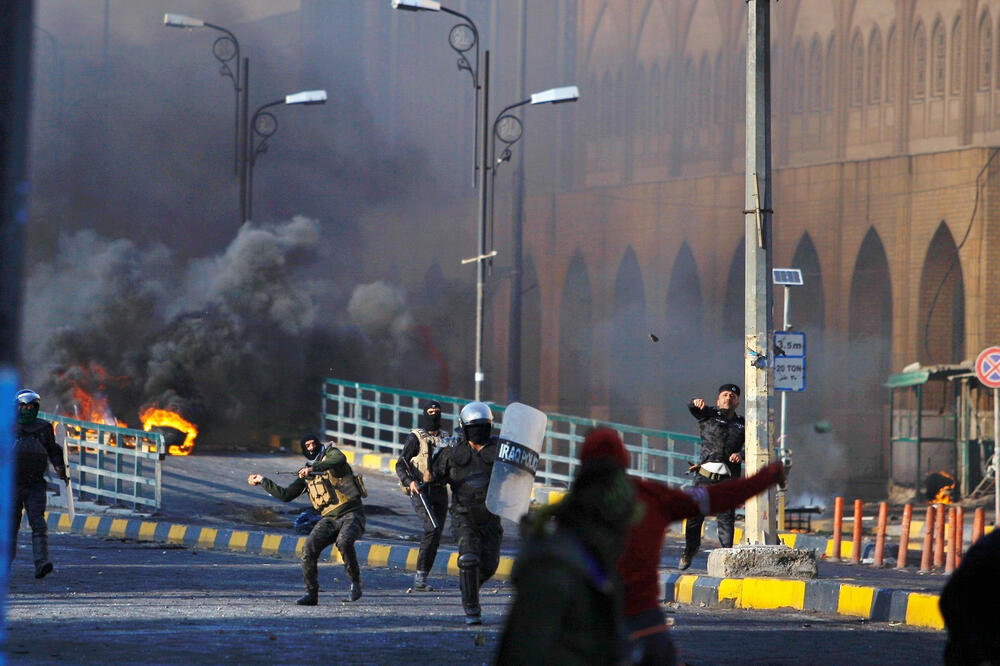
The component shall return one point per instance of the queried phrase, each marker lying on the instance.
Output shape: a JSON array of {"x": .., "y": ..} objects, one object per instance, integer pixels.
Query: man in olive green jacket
[{"x": 336, "y": 493}]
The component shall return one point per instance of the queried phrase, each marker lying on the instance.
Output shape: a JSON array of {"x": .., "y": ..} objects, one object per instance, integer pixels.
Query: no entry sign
[{"x": 988, "y": 367}]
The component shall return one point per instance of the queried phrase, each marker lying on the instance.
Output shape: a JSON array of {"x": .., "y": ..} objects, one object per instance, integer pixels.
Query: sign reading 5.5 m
[{"x": 789, "y": 361}]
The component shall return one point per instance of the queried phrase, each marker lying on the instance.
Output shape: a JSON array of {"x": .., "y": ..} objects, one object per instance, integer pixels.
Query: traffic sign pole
[
  {"x": 988, "y": 372},
  {"x": 782, "y": 455},
  {"x": 996, "y": 457}
]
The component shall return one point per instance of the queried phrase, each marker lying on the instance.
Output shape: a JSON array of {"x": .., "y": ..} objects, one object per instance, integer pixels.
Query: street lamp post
[
  {"x": 264, "y": 124},
  {"x": 462, "y": 38},
  {"x": 508, "y": 129},
  {"x": 225, "y": 49}
]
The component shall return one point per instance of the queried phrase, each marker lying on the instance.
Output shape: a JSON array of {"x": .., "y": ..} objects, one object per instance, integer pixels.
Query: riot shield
[{"x": 521, "y": 438}]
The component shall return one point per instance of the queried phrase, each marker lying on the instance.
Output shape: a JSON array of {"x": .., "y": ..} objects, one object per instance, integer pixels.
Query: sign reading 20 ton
[{"x": 789, "y": 361}]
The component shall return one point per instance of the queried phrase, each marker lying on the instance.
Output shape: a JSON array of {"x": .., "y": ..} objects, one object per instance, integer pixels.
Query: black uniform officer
[
  {"x": 336, "y": 493},
  {"x": 413, "y": 470},
  {"x": 35, "y": 448},
  {"x": 722, "y": 435},
  {"x": 467, "y": 468}
]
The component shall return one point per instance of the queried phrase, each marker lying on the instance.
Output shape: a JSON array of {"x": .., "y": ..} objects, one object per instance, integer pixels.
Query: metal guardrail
[
  {"x": 110, "y": 464},
  {"x": 378, "y": 418}
]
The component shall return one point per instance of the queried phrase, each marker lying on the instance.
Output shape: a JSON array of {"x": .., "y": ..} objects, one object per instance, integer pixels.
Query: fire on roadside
[
  {"x": 154, "y": 416},
  {"x": 944, "y": 493}
]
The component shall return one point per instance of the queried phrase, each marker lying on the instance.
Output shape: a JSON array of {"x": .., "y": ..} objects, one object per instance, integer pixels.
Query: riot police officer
[
  {"x": 34, "y": 448},
  {"x": 414, "y": 472},
  {"x": 467, "y": 467},
  {"x": 336, "y": 492},
  {"x": 722, "y": 435}
]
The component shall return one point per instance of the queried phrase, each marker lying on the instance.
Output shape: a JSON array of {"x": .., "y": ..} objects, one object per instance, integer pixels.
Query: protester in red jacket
[{"x": 658, "y": 506}]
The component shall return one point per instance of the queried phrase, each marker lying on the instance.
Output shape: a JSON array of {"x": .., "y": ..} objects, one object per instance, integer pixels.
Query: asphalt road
[{"x": 116, "y": 601}]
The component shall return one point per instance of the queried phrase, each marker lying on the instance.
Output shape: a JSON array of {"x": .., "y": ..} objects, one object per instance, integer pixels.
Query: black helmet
[{"x": 317, "y": 452}]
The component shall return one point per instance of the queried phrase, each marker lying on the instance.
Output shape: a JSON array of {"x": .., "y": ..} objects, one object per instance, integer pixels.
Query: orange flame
[
  {"x": 154, "y": 416},
  {"x": 89, "y": 386},
  {"x": 94, "y": 408},
  {"x": 944, "y": 494}
]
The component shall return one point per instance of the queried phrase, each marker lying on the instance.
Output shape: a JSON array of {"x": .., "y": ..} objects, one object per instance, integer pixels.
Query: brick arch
[
  {"x": 531, "y": 334},
  {"x": 576, "y": 335},
  {"x": 941, "y": 328},
  {"x": 868, "y": 361},
  {"x": 808, "y": 314},
  {"x": 734, "y": 307},
  {"x": 876, "y": 67},
  {"x": 628, "y": 333},
  {"x": 682, "y": 339}
]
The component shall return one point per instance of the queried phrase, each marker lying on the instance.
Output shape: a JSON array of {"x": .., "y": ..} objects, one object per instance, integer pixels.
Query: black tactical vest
[{"x": 32, "y": 458}]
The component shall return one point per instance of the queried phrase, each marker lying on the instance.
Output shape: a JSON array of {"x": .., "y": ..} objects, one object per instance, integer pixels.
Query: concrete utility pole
[
  {"x": 15, "y": 65},
  {"x": 517, "y": 237},
  {"x": 760, "y": 527}
]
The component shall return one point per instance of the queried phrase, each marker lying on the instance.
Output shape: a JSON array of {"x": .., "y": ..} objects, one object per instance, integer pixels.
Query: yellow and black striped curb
[
  {"x": 370, "y": 554},
  {"x": 919, "y": 609}
]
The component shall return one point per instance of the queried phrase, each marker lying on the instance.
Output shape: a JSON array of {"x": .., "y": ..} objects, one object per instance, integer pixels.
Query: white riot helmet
[
  {"x": 477, "y": 422},
  {"x": 26, "y": 397}
]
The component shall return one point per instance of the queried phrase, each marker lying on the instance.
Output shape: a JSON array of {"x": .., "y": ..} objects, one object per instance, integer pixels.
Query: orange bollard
[
  {"x": 838, "y": 525},
  {"x": 949, "y": 561},
  {"x": 925, "y": 554},
  {"x": 883, "y": 517},
  {"x": 904, "y": 536},
  {"x": 959, "y": 537},
  {"x": 978, "y": 523},
  {"x": 856, "y": 548},
  {"x": 939, "y": 536}
]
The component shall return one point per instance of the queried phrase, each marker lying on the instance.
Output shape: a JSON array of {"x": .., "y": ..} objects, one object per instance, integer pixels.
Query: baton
[{"x": 420, "y": 493}]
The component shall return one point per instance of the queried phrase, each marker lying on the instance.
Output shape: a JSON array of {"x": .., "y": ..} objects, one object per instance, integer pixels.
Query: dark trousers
[
  {"x": 437, "y": 498},
  {"x": 649, "y": 639},
  {"x": 481, "y": 538},
  {"x": 344, "y": 531},
  {"x": 30, "y": 498},
  {"x": 725, "y": 521}
]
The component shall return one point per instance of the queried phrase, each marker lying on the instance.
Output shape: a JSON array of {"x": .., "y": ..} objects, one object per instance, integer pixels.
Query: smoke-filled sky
[{"x": 142, "y": 286}]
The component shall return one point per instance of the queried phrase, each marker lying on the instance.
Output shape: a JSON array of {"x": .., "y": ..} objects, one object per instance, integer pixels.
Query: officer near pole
[
  {"x": 722, "y": 435},
  {"x": 414, "y": 471},
  {"x": 336, "y": 492},
  {"x": 467, "y": 467},
  {"x": 34, "y": 448}
]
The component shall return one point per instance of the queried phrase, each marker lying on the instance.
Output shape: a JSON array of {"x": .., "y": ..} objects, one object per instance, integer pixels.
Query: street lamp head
[
  {"x": 556, "y": 95},
  {"x": 417, "y": 5},
  {"x": 182, "y": 21},
  {"x": 307, "y": 97}
]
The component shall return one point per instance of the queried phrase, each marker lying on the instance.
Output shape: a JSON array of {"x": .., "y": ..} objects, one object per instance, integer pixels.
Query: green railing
[
  {"x": 112, "y": 465},
  {"x": 378, "y": 418}
]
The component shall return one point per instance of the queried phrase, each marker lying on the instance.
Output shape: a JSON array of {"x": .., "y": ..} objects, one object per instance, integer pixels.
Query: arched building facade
[{"x": 886, "y": 194}]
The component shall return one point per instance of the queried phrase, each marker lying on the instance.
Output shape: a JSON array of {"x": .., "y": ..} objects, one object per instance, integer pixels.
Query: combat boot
[
  {"x": 40, "y": 551},
  {"x": 310, "y": 598},
  {"x": 420, "y": 583},
  {"x": 685, "y": 561},
  {"x": 355, "y": 592},
  {"x": 468, "y": 579}
]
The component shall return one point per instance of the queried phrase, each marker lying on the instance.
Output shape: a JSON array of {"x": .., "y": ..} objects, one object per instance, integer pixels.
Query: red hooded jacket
[{"x": 662, "y": 505}]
